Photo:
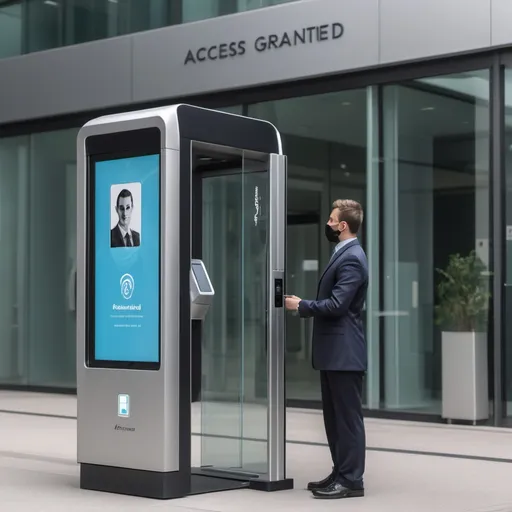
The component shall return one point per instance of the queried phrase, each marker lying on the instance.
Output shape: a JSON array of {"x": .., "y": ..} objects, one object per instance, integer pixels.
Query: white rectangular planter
[{"x": 464, "y": 374}]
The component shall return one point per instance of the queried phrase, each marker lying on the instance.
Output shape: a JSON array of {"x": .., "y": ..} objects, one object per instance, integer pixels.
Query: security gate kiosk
[{"x": 180, "y": 320}]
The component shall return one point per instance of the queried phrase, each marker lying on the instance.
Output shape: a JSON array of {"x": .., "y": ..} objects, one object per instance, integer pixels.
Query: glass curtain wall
[
  {"x": 415, "y": 154},
  {"x": 325, "y": 138},
  {"x": 14, "y": 221},
  {"x": 507, "y": 153},
  {"x": 10, "y": 29},
  {"x": 38, "y": 260},
  {"x": 195, "y": 10},
  {"x": 435, "y": 207},
  {"x": 426, "y": 199},
  {"x": 34, "y": 25},
  {"x": 53, "y": 23}
]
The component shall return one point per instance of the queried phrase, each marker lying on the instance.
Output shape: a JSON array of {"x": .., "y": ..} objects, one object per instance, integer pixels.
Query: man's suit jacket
[
  {"x": 338, "y": 335},
  {"x": 116, "y": 238}
]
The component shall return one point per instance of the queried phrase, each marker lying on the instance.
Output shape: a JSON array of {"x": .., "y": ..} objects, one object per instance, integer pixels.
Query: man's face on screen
[{"x": 124, "y": 210}]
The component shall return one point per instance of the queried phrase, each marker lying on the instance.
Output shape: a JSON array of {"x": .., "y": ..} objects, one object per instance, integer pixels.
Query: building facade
[{"x": 401, "y": 105}]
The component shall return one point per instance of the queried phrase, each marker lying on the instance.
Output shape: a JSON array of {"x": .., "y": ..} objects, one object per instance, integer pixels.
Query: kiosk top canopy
[{"x": 182, "y": 120}]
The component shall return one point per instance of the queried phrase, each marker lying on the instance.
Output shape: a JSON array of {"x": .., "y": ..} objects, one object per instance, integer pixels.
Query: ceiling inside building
[
  {"x": 343, "y": 116},
  {"x": 454, "y": 108}
]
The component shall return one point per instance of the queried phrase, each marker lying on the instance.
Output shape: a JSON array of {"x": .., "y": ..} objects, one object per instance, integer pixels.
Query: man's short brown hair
[{"x": 351, "y": 212}]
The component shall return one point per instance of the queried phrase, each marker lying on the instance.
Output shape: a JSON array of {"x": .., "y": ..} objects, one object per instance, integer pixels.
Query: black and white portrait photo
[{"x": 126, "y": 215}]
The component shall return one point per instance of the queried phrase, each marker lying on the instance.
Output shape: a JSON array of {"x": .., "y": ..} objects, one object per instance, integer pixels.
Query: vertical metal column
[
  {"x": 498, "y": 229},
  {"x": 373, "y": 248},
  {"x": 276, "y": 320}
]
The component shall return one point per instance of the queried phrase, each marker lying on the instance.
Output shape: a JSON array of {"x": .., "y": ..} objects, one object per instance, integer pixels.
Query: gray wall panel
[
  {"x": 150, "y": 65},
  {"x": 159, "y": 69},
  {"x": 501, "y": 22},
  {"x": 414, "y": 29},
  {"x": 72, "y": 79}
]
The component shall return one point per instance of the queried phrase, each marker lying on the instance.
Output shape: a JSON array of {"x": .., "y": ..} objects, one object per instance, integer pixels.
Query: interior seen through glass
[{"x": 231, "y": 416}]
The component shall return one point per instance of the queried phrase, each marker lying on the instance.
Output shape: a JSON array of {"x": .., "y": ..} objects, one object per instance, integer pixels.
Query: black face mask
[{"x": 331, "y": 234}]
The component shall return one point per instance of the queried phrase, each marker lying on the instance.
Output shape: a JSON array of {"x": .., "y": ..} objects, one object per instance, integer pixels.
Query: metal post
[{"x": 498, "y": 229}]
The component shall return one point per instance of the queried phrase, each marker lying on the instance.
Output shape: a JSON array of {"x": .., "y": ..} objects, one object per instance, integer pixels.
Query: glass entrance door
[{"x": 244, "y": 328}]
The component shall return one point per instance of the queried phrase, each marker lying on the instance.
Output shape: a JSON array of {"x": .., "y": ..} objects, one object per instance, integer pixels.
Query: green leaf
[{"x": 463, "y": 296}]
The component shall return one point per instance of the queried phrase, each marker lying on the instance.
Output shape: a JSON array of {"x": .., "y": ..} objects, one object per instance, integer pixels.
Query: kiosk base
[
  {"x": 165, "y": 486},
  {"x": 133, "y": 482},
  {"x": 280, "y": 485},
  {"x": 249, "y": 483},
  {"x": 201, "y": 484}
]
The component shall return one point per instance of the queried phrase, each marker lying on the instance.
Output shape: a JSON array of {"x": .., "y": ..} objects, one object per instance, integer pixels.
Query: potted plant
[{"x": 463, "y": 300}]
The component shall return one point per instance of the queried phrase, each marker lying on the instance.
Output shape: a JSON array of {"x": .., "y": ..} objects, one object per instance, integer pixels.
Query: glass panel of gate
[
  {"x": 234, "y": 400},
  {"x": 254, "y": 236},
  {"x": 222, "y": 340}
]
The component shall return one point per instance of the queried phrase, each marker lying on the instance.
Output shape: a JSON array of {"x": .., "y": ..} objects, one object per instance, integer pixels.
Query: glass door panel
[
  {"x": 303, "y": 237},
  {"x": 254, "y": 238},
  {"x": 507, "y": 290},
  {"x": 435, "y": 208},
  {"x": 221, "y": 351},
  {"x": 234, "y": 239}
]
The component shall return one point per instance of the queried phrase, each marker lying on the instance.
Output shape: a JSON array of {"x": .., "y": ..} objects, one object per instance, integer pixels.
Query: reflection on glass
[
  {"x": 38, "y": 267},
  {"x": 88, "y": 20},
  {"x": 436, "y": 205},
  {"x": 52, "y": 233},
  {"x": 507, "y": 352},
  {"x": 325, "y": 140},
  {"x": 13, "y": 257},
  {"x": 221, "y": 389},
  {"x": 35, "y": 25},
  {"x": 234, "y": 386},
  {"x": 10, "y": 29},
  {"x": 195, "y": 10}
]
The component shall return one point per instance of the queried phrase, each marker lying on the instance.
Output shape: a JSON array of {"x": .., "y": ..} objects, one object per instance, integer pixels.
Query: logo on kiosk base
[{"x": 124, "y": 429}]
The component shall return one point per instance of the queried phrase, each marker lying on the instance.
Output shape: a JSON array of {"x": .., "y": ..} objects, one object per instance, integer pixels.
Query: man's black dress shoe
[
  {"x": 336, "y": 491},
  {"x": 322, "y": 483}
]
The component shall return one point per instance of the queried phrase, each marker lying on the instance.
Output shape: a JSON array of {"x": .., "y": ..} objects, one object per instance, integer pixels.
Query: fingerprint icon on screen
[{"x": 127, "y": 286}]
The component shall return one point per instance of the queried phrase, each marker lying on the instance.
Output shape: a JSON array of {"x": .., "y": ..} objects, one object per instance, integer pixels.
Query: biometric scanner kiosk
[{"x": 180, "y": 279}]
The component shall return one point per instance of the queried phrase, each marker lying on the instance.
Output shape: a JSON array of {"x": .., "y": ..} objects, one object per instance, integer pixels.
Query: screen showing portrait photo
[
  {"x": 126, "y": 210},
  {"x": 127, "y": 260}
]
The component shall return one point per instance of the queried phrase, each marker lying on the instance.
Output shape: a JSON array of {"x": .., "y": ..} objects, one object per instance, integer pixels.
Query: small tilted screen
[{"x": 201, "y": 278}]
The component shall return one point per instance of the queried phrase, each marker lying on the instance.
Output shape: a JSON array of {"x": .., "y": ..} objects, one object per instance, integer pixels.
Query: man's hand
[{"x": 292, "y": 302}]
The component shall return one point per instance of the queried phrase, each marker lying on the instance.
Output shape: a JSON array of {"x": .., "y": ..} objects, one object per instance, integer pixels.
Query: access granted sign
[{"x": 264, "y": 43}]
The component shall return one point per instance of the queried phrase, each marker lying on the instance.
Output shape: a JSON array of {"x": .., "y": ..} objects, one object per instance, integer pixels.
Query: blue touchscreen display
[{"x": 127, "y": 259}]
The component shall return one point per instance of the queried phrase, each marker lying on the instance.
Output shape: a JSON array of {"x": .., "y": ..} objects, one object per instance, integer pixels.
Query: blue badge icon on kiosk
[
  {"x": 127, "y": 286},
  {"x": 123, "y": 406}
]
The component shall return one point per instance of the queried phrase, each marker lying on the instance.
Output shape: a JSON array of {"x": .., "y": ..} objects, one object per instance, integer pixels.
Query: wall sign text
[{"x": 289, "y": 39}]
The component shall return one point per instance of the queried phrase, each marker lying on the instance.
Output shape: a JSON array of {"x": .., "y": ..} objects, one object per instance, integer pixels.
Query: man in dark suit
[
  {"x": 121, "y": 235},
  {"x": 339, "y": 351}
]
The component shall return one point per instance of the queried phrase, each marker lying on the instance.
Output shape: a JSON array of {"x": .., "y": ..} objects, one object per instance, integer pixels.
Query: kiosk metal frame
[{"x": 147, "y": 453}]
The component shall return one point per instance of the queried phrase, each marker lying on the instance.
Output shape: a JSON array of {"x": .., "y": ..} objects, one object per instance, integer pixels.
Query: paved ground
[{"x": 411, "y": 467}]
